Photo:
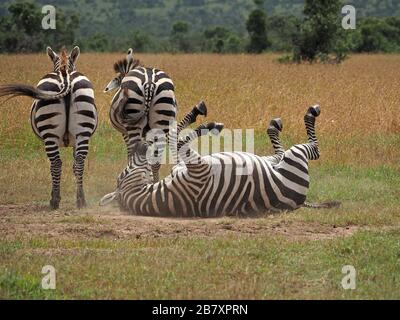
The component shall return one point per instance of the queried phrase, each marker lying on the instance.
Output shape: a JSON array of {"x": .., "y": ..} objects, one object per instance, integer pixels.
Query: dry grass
[
  {"x": 359, "y": 124},
  {"x": 100, "y": 253}
]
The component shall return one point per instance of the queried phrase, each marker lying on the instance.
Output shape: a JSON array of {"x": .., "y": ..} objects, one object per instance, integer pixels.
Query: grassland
[{"x": 100, "y": 253}]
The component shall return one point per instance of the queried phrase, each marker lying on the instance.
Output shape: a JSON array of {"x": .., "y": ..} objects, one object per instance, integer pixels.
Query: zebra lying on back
[
  {"x": 62, "y": 115},
  {"x": 145, "y": 100},
  {"x": 227, "y": 183},
  {"x": 189, "y": 118}
]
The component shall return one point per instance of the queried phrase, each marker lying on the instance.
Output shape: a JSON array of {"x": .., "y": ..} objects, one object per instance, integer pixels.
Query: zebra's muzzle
[{"x": 109, "y": 198}]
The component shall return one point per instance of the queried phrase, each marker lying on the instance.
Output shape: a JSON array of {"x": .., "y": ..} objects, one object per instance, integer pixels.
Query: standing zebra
[
  {"x": 63, "y": 114},
  {"x": 145, "y": 101},
  {"x": 215, "y": 185}
]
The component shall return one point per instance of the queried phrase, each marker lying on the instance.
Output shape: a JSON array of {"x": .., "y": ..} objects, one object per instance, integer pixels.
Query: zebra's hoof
[
  {"x": 54, "y": 204},
  {"x": 219, "y": 126},
  {"x": 276, "y": 123},
  {"x": 314, "y": 110},
  {"x": 202, "y": 108},
  {"x": 215, "y": 127},
  {"x": 81, "y": 203}
]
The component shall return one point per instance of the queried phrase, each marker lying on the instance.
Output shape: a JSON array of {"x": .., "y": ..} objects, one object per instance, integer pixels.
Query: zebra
[
  {"x": 145, "y": 101},
  {"x": 188, "y": 119},
  {"x": 226, "y": 183},
  {"x": 63, "y": 114}
]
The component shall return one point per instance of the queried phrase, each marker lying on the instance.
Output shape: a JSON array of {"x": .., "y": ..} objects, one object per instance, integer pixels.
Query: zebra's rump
[
  {"x": 149, "y": 101},
  {"x": 64, "y": 120}
]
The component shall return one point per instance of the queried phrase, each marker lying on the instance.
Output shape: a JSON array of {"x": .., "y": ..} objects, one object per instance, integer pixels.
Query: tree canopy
[{"x": 306, "y": 28}]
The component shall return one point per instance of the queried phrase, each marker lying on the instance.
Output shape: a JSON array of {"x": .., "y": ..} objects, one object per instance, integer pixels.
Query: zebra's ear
[
  {"x": 52, "y": 55},
  {"x": 129, "y": 56},
  {"x": 113, "y": 84},
  {"x": 108, "y": 198},
  {"x": 75, "y": 54}
]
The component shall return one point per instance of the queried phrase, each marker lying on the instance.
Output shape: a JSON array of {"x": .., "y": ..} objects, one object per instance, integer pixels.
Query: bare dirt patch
[{"x": 97, "y": 223}]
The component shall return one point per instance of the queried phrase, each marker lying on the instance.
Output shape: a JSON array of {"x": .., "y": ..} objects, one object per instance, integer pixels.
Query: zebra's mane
[
  {"x": 123, "y": 66},
  {"x": 63, "y": 61}
]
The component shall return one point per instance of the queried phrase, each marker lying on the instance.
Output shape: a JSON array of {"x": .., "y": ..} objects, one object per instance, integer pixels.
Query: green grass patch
[{"x": 245, "y": 267}]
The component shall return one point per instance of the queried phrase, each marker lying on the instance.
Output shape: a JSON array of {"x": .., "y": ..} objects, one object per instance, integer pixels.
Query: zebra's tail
[
  {"x": 15, "y": 90},
  {"x": 322, "y": 205},
  {"x": 135, "y": 117},
  {"x": 128, "y": 118}
]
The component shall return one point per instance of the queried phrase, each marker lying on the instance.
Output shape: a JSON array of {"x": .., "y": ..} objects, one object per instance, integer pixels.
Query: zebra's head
[
  {"x": 63, "y": 62},
  {"x": 136, "y": 173},
  {"x": 122, "y": 67}
]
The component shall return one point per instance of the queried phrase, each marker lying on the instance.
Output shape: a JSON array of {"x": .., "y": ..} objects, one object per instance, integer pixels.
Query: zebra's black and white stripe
[
  {"x": 227, "y": 183},
  {"x": 145, "y": 101},
  {"x": 63, "y": 114}
]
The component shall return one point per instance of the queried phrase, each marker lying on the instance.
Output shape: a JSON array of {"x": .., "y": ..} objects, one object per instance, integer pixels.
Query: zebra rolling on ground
[
  {"x": 63, "y": 114},
  {"x": 145, "y": 101},
  {"x": 189, "y": 118},
  {"x": 226, "y": 183}
]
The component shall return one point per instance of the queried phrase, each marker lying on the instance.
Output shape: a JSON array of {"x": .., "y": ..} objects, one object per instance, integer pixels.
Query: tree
[
  {"x": 281, "y": 31},
  {"x": 21, "y": 30},
  {"x": 97, "y": 42},
  {"x": 234, "y": 44},
  {"x": 221, "y": 40},
  {"x": 215, "y": 39},
  {"x": 320, "y": 32},
  {"x": 64, "y": 35},
  {"x": 141, "y": 42},
  {"x": 378, "y": 35},
  {"x": 180, "y": 38},
  {"x": 256, "y": 27}
]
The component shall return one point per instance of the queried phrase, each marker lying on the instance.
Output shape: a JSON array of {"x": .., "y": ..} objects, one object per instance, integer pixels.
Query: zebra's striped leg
[
  {"x": 191, "y": 117},
  {"x": 155, "y": 169},
  {"x": 126, "y": 140},
  {"x": 133, "y": 135},
  {"x": 55, "y": 169},
  {"x": 80, "y": 153},
  {"x": 275, "y": 127},
  {"x": 201, "y": 130},
  {"x": 172, "y": 140},
  {"x": 188, "y": 119},
  {"x": 159, "y": 143},
  {"x": 309, "y": 121},
  {"x": 187, "y": 154}
]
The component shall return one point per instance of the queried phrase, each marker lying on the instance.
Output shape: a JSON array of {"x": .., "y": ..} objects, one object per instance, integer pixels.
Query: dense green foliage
[
  {"x": 319, "y": 34},
  {"x": 200, "y": 26},
  {"x": 21, "y": 30},
  {"x": 256, "y": 26}
]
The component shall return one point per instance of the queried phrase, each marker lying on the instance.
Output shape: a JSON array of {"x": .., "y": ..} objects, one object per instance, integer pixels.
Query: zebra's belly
[
  {"x": 242, "y": 184},
  {"x": 237, "y": 183}
]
